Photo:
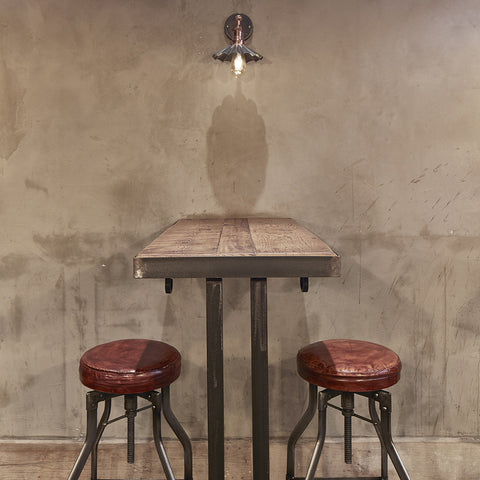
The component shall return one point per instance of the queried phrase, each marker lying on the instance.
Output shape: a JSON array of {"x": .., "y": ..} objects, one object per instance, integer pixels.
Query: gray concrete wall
[{"x": 362, "y": 122}]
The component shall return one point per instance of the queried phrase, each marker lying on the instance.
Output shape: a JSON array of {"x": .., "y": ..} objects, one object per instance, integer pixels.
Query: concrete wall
[{"x": 362, "y": 122}]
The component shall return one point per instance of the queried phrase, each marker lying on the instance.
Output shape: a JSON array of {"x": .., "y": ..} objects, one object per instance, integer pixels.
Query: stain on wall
[
  {"x": 70, "y": 249},
  {"x": 11, "y": 108},
  {"x": 14, "y": 265}
]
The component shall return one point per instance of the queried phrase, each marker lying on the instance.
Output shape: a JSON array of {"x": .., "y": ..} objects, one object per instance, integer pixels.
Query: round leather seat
[
  {"x": 130, "y": 366},
  {"x": 349, "y": 365}
]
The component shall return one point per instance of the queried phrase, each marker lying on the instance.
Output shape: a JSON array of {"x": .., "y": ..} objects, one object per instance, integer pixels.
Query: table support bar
[
  {"x": 260, "y": 413},
  {"x": 216, "y": 449}
]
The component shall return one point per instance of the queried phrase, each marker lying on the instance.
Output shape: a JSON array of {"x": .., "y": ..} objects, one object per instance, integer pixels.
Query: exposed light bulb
[{"x": 239, "y": 64}]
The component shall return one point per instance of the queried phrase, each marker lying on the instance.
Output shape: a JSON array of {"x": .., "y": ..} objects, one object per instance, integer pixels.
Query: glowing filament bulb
[{"x": 239, "y": 64}]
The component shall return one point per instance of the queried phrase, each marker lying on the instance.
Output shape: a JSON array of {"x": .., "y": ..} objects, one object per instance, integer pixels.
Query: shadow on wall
[{"x": 237, "y": 154}]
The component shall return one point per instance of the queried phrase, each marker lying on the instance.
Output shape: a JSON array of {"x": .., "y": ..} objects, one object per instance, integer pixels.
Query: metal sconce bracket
[{"x": 245, "y": 23}]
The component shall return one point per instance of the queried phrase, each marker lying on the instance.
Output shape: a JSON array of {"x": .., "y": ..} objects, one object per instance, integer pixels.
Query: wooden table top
[{"x": 236, "y": 247}]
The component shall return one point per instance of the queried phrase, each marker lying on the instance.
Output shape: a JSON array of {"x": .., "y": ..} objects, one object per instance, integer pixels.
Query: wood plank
[
  {"x": 236, "y": 238},
  {"x": 188, "y": 237},
  {"x": 284, "y": 236}
]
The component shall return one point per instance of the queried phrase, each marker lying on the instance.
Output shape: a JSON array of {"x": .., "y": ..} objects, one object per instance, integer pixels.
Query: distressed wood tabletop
[{"x": 236, "y": 247}]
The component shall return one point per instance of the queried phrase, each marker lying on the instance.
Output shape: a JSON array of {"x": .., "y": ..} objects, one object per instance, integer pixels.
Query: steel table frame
[{"x": 256, "y": 248}]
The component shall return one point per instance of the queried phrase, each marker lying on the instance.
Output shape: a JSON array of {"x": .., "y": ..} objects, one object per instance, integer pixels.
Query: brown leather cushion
[
  {"x": 349, "y": 365},
  {"x": 130, "y": 366}
]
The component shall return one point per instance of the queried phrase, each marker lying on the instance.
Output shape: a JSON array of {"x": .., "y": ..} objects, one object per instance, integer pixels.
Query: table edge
[{"x": 237, "y": 267}]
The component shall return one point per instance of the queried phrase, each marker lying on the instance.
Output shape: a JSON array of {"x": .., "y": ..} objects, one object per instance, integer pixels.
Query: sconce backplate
[{"x": 231, "y": 23}]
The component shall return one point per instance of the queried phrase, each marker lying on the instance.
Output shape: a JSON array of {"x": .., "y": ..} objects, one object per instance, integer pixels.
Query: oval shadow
[{"x": 237, "y": 154}]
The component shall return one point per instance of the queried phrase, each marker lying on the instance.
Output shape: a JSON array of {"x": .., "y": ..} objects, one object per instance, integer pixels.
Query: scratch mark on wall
[
  {"x": 418, "y": 179},
  {"x": 393, "y": 285},
  {"x": 340, "y": 228},
  {"x": 452, "y": 200},
  {"x": 370, "y": 206},
  {"x": 437, "y": 168},
  {"x": 356, "y": 162}
]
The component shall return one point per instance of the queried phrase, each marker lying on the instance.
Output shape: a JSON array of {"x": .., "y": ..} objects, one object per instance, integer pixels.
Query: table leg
[
  {"x": 216, "y": 449},
  {"x": 260, "y": 420}
]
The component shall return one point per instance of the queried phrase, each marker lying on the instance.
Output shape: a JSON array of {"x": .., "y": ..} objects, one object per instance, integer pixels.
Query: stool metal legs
[
  {"x": 322, "y": 429},
  {"x": 101, "y": 427},
  {"x": 299, "y": 429},
  {"x": 93, "y": 434},
  {"x": 157, "y": 436},
  {"x": 160, "y": 401},
  {"x": 382, "y": 426},
  {"x": 179, "y": 432},
  {"x": 384, "y": 432}
]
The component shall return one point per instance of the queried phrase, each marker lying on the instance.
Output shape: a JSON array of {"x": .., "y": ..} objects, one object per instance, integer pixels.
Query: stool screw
[
  {"x": 131, "y": 413},
  {"x": 347, "y": 411}
]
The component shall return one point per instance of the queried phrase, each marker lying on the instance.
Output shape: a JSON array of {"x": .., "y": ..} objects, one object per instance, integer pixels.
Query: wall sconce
[{"x": 238, "y": 28}]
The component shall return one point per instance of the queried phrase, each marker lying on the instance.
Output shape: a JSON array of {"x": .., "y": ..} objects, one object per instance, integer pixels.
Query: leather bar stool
[
  {"x": 131, "y": 368},
  {"x": 347, "y": 368}
]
